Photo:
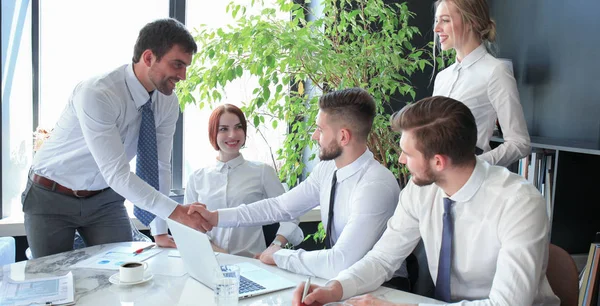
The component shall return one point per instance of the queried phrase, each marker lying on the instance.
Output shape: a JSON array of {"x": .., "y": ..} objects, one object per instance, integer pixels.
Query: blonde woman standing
[{"x": 479, "y": 80}]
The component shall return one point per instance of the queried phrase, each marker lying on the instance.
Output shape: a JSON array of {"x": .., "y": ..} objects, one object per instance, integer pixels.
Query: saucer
[{"x": 115, "y": 280}]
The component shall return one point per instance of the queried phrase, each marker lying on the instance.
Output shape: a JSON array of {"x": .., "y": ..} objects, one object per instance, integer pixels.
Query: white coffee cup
[{"x": 132, "y": 271}]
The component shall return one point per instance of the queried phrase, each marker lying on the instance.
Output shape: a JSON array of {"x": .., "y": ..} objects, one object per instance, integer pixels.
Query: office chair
[{"x": 562, "y": 276}]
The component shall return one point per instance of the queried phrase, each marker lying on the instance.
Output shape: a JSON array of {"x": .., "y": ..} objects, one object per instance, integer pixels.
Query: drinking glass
[{"x": 227, "y": 284}]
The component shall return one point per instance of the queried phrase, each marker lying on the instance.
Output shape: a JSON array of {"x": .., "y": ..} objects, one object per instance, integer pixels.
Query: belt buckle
[{"x": 75, "y": 193}]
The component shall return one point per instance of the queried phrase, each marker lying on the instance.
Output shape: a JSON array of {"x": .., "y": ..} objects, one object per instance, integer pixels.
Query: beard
[
  {"x": 163, "y": 85},
  {"x": 427, "y": 179},
  {"x": 331, "y": 152}
]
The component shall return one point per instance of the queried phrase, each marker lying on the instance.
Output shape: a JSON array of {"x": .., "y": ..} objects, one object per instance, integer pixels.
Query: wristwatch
[{"x": 277, "y": 243}]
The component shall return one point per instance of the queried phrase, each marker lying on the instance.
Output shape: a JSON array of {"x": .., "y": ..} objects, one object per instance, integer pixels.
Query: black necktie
[{"x": 328, "y": 240}]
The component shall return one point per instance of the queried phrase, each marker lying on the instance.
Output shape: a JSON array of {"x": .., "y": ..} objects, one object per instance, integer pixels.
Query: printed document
[
  {"x": 41, "y": 291},
  {"x": 115, "y": 257}
]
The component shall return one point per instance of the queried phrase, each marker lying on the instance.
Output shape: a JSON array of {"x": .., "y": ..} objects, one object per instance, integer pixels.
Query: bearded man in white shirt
[
  {"x": 485, "y": 229},
  {"x": 80, "y": 176},
  {"x": 363, "y": 197}
]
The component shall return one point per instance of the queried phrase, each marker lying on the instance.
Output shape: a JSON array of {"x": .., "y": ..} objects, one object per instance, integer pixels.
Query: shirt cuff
[
  {"x": 158, "y": 226},
  {"x": 227, "y": 217},
  {"x": 164, "y": 207},
  {"x": 348, "y": 285},
  {"x": 291, "y": 232},
  {"x": 281, "y": 257}
]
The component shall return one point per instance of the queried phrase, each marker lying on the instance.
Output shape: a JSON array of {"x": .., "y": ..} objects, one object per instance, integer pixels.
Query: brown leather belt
[{"x": 54, "y": 186}]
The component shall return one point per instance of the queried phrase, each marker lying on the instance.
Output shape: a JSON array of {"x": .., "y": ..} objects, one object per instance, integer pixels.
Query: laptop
[{"x": 200, "y": 261}]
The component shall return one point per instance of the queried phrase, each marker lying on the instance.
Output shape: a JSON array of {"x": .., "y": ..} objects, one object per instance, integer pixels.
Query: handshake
[{"x": 196, "y": 216}]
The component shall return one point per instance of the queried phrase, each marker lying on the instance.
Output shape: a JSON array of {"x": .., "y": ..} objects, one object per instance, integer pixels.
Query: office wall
[{"x": 554, "y": 46}]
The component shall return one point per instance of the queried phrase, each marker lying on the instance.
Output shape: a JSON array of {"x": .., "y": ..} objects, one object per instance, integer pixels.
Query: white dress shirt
[
  {"x": 365, "y": 198},
  {"x": 96, "y": 137},
  {"x": 230, "y": 184},
  {"x": 500, "y": 242},
  {"x": 487, "y": 86}
]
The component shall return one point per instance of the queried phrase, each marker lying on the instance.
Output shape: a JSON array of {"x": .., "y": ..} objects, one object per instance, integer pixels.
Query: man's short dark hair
[
  {"x": 440, "y": 125},
  {"x": 160, "y": 36},
  {"x": 353, "y": 107}
]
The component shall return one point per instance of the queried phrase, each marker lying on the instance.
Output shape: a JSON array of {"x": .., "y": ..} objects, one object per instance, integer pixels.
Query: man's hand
[
  {"x": 267, "y": 255},
  {"x": 165, "y": 241},
  {"x": 211, "y": 217},
  {"x": 369, "y": 300},
  {"x": 182, "y": 215},
  {"x": 317, "y": 295}
]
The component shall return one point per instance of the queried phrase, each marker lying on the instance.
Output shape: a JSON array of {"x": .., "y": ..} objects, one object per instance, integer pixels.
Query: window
[
  {"x": 80, "y": 39},
  {"x": 198, "y": 151},
  {"x": 16, "y": 102}
]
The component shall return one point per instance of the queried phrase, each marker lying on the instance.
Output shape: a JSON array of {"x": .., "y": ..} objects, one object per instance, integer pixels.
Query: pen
[
  {"x": 139, "y": 251},
  {"x": 306, "y": 287}
]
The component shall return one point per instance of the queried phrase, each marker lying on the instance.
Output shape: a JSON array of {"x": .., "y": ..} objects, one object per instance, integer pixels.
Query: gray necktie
[{"x": 442, "y": 285}]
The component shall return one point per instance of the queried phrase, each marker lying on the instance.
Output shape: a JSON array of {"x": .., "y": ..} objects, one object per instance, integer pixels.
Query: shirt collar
[
  {"x": 468, "y": 190},
  {"x": 471, "y": 58},
  {"x": 138, "y": 93},
  {"x": 230, "y": 164},
  {"x": 348, "y": 170}
]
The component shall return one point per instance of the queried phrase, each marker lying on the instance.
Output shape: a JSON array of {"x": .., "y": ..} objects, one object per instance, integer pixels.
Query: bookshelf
[{"x": 573, "y": 200}]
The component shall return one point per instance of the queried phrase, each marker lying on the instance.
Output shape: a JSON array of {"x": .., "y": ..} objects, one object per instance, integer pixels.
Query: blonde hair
[{"x": 476, "y": 14}]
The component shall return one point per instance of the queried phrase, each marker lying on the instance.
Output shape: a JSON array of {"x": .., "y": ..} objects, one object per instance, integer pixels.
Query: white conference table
[{"x": 170, "y": 285}]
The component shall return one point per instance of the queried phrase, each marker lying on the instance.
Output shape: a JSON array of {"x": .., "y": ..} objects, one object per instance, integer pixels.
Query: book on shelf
[
  {"x": 590, "y": 282},
  {"x": 538, "y": 169}
]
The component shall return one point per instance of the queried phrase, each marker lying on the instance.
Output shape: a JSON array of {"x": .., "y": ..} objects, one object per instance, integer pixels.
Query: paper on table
[
  {"x": 57, "y": 290},
  {"x": 175, "y": 253},
  {"x": 113, "y": 258}
]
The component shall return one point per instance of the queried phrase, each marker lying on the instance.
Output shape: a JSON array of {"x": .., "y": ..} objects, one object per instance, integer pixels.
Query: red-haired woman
[{"x": 233, "y": 181}]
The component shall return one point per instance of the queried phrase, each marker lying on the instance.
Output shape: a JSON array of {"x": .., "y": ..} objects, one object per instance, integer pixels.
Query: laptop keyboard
[{"x": 247, "y": 285}]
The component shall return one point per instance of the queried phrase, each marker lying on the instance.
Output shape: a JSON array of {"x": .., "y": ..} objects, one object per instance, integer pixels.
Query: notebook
[{"x": 200, "y": 261}]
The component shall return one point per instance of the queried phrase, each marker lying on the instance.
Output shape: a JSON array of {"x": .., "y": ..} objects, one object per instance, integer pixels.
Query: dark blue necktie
[
  {"x": 147, "y": 158},
  {"x": 328, "y": 240},
  {"x": 442, "y": 285}
]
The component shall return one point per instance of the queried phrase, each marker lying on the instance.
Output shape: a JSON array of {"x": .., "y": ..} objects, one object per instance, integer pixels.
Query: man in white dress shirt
[
  {"x": 489, "y": 248},
  {"x": 364, "y": 198},
  {"x": 80, "y": 176}
]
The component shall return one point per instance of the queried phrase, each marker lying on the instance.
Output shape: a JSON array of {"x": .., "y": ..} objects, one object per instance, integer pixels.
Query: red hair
[{"x": 215, "y": 117}]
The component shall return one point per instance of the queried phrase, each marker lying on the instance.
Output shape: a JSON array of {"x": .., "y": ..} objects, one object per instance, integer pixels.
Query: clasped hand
[
  {"x": 196, "y": 216},
  {"x": 207, "y": 219}
]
